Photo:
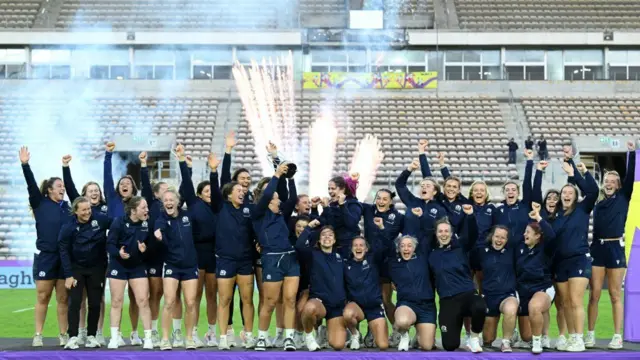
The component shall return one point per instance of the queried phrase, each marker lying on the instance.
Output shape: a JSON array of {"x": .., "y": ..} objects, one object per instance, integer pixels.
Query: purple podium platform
[{"x": 21, "y": 349}]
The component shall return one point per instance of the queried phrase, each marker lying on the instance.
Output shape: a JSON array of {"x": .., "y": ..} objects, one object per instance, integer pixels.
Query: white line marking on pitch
[{"x": 26, "y": 309}]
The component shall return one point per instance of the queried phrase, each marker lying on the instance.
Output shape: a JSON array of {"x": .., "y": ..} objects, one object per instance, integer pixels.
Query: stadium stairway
[{"x": 46, "y": 18}]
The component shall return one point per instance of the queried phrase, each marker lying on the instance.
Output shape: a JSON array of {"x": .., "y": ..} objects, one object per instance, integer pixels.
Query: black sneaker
[
  {"x": 261, "y": 344},
  {"x": 289, "y": 345}
]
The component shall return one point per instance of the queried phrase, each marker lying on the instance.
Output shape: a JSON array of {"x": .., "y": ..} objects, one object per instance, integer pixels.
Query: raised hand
[
  {"x": 415, "y": 164},
  {"x": 158, "y": 234},
  {"x": 272, "y": 149},
  {"x": 180, "y": 152},
  {"x": 582, "y": 168},
  {"x": 468, "y": 209},
  {"x": 354, "y": 176},
  {"x": 66, "y": 160},
  {"x": 315, "y": 201},
  {"x": 189, "y": 160},
  {"x": 325, "y": 202},
  {"x": 417, "y": 211},
  {"x": 567, "y": 168},
  {"x": 423, "y": 144},
  {"x": 535, "y": 212},
  {"x": 25, "y": 155},
  {"x": 542, "y": 165},
  {"x": 110, "y": 146},
  {"x": 213, "y": 162},
  {"x": 314, "y": 223},
  {"x": 230, "y": 140},
  {"x": 123, "y": 254},
  {"x": 568, "y": 151},
  {"x": 341, "y": 199},
  {"x": 528, "y": 154},
  {"x": 142, "y": 247},
  {"x": 631, "y": 146},
  {"x": 441, "y": 159},
  {"x": 143, "y": 158},
  {"x": 281, "y": 170},
  {"x": 378, "y": 222}
]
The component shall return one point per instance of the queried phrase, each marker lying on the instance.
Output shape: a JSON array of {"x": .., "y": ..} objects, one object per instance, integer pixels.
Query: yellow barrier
[{"x": 385, "y": 80}]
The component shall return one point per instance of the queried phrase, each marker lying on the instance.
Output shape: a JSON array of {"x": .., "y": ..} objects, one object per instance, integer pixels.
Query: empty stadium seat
[{"x": 18, "y": 13}]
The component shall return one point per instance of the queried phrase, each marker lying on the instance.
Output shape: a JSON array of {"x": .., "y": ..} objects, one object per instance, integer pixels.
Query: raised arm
[
  {"x": 444, "y": 170},
  {"x": 307, "y": 239},
  {"x": 401, "y": 185},
  {"x": 263, "y": 204},
  {"x": 145, "y": 179},
  {"x": 424, "y": 162},
  {"x": 536, "y": 194},
  {"x": 230, "y": 143},
  {"x": 69, "y": 186},
  {"x": 188, "y": 191},
  {"x": 32, "y": 186},
  {"x": 108, "y": 185},
  {"x": 290, "y": 205},
  {"x": 216, "y": 194},
  {"x": 526, "y": 184},
  {"x": 587, "y": 185},
  {"x": 627, "y": 185}
]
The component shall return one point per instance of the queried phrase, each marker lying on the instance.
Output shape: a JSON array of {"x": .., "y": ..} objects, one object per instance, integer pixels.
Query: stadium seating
[
  {"x": 560, "y": 117},
  {"x": 473, "y": 149},
  {"x": 548, "y": 14},
  {"x": 171, "y": 14},
  {"x": 407, "y": 7},
  {"x": 18, "y": 13}
]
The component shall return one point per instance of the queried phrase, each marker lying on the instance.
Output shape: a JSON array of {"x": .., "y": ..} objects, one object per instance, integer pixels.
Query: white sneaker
[
  {"x": 155, "y": 338},
  {"x": 189, "y": 344},
  {"x": 231, "y": 337},
  {"x": 289, "y": 345},
  {"x": 114, "y": 343},
  {"x": 536, "y": 345},
  {"x": 474, "y": 344},
  {"x": 515, "y": 338},
  {"x": 196, "y": 339},
  {"x": 616, "y": 342},
  {"x": 321, "y": 337},
  {"x": 72, "y": 344},
  {"x": 249, "y": 341},
  {"x": 562, "y": 344},
  {"x": 590, "y": 339},
  {"x": 37, "y": 340},
  {"x": 100, "y": 338},
  {"x": 506, "y": 346},
  {"x": 403, "y": 345},
  {"x": 310, "y": 341},
  {"x": 178, "y": 341},
  {"x": 394, "y": 339},
  {"x": 121, "y": 340},
  {"x": 210, "y": 339},
  {"x": 298, "y": 340},
  {"x": 63, "y": 338},
  {"x": 165, "y": 345},
  {"x": 278, "y": 341},
  {"x": 82, "y": 336},
  {"x": 261, "y": 344},
  {"x": 467, "y": 338},
  {"x": 522, "y": 345},
  {"x": 223, "y": 344},
  {"x": 91, "y": 342},
  {"x": 577, "y": 345},
  {"x": 546, "y": 342},
  {"x": 135, "y": 340},
  {"x": 148, "y": 344},
  {"x": 355, "y": 341}
]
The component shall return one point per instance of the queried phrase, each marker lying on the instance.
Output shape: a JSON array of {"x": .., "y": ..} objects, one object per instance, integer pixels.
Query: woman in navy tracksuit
[
  {"x": 174, "y": 228},
  {"x": 392, "y": 223},
  {"x": 499, "y": 286},
  {"x": 155, "y": 251},
  {"x": 51, "y": 212},
  {"x": 83, "y": 252},
  {"x": 343, "y": 212},
  {"x": 92, "y": 191},
  {"x": 607, "y": 247},
  {"x": 419, "y": 227},
  {"x": 234, "y": 252},
  {"x": 411, "y": 275},
  {"x": 327, "y": 295},
  {"x": 486, "y": 217},
  {"x": 533, "y": 277},
  {"x": 458, "y": 297},
  {"x": 280, "y": 269},
  {"x": 126, "y": 245},
  {"x": 364, "y": 293},
  {"x": 573, "y": 258},
  {"x": 204, "y": 222},
  {"x": 117, "y": 196}
]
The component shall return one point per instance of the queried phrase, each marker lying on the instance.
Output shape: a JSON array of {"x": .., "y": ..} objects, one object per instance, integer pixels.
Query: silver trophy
[{"x": 280, "y": 159}]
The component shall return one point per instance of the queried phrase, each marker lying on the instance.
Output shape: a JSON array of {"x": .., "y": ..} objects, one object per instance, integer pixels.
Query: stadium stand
[
  {"x": 559, "y": 117},
  {"x": 170, "y": 14},
  {"x": 407, "y": 7},
  {"x": 18, "y": 13},
  {"x": 547, "y": 14},
  {"x": 473, "y": 150}
]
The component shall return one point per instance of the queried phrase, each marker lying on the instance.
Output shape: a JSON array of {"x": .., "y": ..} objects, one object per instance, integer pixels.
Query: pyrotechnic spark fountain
[
  {"x": 366, "y": 161},
  {"x": 267, "y": 93},
  {"x": 322, "y": 145}
]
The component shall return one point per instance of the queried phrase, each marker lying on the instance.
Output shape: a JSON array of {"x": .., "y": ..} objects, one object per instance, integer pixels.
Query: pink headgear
[{"x": 351, "y": 184}]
